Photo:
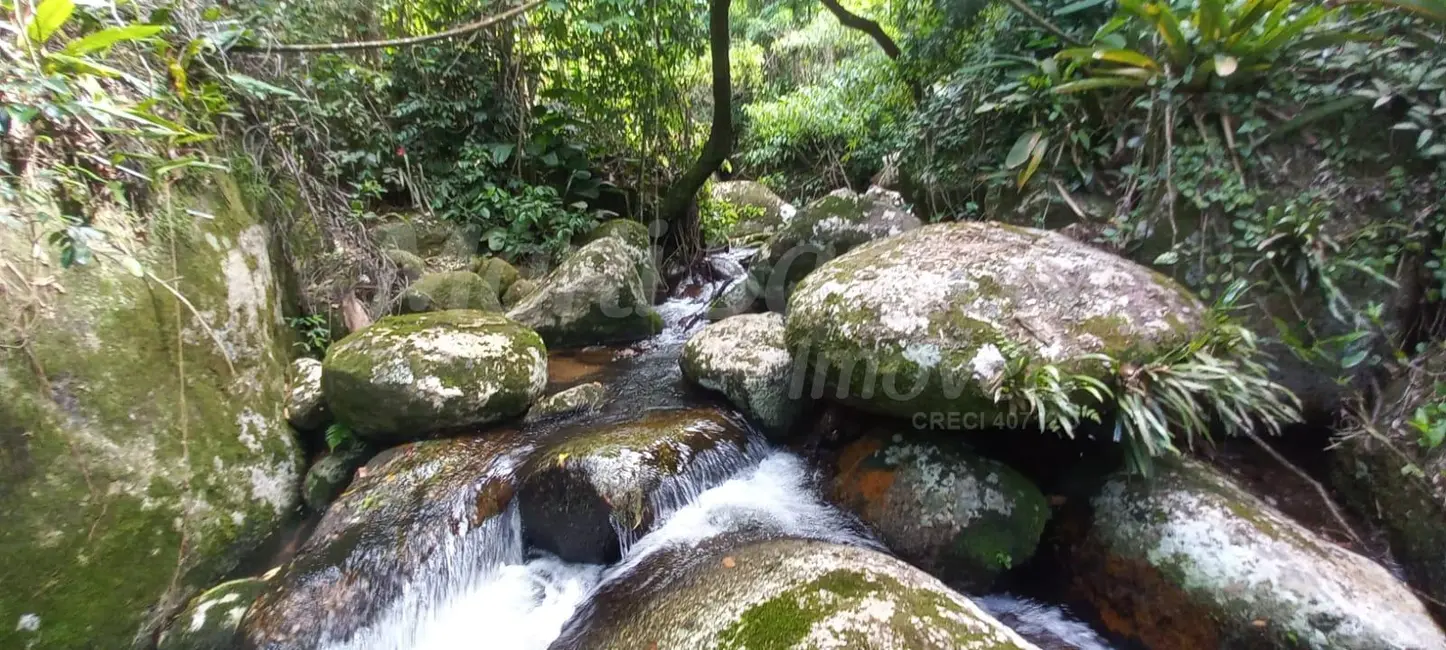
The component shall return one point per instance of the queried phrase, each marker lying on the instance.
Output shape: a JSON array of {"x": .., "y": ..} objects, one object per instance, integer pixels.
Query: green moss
[
  {"x": 451, "y": 290},
  {"x": 497, "y": 273},
  {"x": 781, "y": 622},
  {"x": 633, "y": 233}
]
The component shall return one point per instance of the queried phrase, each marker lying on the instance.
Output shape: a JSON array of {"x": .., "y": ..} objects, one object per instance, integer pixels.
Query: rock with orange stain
[
  {"x": 960, "y": 516},
  {"x": 1189, "y": 559}
]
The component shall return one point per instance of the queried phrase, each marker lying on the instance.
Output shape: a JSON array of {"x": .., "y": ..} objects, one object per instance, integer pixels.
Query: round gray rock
[
  {"x": 596, "y": 296},
  {"x": 582, "y": 398},
  {"x": 745, "y": 359}
]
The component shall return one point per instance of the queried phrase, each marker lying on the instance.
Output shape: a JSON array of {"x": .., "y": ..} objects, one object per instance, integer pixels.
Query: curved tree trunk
[
  {"x": 876, "y": 32},
  {"x": 683, "y": 241}
]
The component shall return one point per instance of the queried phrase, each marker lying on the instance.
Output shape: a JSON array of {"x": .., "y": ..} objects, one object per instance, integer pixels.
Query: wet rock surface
[
  {"x": 210, "y": 620},
  {"x": 580, "y": 399},
  {"x": 744, "y": 358},
  {"x": 329, "y": 476}
]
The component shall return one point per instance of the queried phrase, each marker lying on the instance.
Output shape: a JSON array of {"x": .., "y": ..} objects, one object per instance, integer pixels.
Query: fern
[{"x": 340, "y": 436}]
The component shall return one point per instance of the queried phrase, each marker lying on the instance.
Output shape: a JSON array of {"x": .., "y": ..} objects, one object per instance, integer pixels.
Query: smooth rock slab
[
  {"x": 305, "y": 406},
  {"x": 961, "y": 517},
  {"x": 781, "y": 593},
  {"x": 1190, "y": 560},
  {"x": 744, "y": 358},
  {"x": 407, "y": 376},
  {"x": 928, "y": 321}
]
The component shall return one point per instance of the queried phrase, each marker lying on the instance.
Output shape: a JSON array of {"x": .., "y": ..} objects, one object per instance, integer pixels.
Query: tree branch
[
  {"x": 395, "y": 42},
  {"x": 876, "y": 32},
  {"x": 1043, "y": 22}
]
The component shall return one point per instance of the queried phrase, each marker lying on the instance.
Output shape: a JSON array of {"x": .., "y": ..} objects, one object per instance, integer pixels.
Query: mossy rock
[
  {"x": 150, "y": 459},
  {"x": 400, "y": 520},
  {"x": 745, "y": 359},
  {"x": 407, "y": 376},
  {"x": 823, "y": 230},
  {"x": 632, "y": 233},
  {"x": 211, "y": 620},
  {"x": 594, "y": 297},
  {"x": 583, "y": 398},
  {"x": 769, "y": 211},
  {"x": 1189, "y": 559},
  {"x": 929, "y": 320},
  {"x": 497, "y": 273},
  {"x": 449, "y": 290},
  {"x": 409, "y": 265},
  {"x": 734, "y": 594},
  {"x": 517, "y": 291},
  {"x": 328, "y": 477},
  {"x": 305, "y": 407},
  {"x": 580, "y": 489},
  {"x": 959, "y": 516}
]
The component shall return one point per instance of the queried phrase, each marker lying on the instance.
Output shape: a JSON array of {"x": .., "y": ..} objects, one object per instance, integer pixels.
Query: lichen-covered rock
[
  {"x": 497, "y": 273},
  {"x": 305, "y": 407},
  {"x": 781, "y": 593},
  {"x": 329, "y": 476},
  {"x": 827, "y": 228},
  {"x": 578, "y": 399},
  {"x": 929, "y": 320},
  {"x": 1189, "y": 559},
  {"x": 745, "y": 359},
  {"x": 449, "y": 290},
  {"x": 640, "y": 249},
  {"x": 595, "y": 296},
  {"x": 141, "y": 458},
  {"x": 400, "y": 519},
  {"x": 409, "y": 265},
  {"x": 581, "y": 490},
  {"x": 959, "y": 516},
  {"x": 519, "y": 289},
  {"x": 764, "y": 212},
  {"x": 211, "y": 619},
  {"x": 407, "y": 376},
  {"x": 739, "y": 296}
]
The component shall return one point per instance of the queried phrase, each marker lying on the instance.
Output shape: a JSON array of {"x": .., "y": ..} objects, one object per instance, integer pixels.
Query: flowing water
[{"x": 485, "y": 590}]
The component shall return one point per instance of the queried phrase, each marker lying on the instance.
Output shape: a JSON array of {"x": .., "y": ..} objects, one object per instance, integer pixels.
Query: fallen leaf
[{"x": 729, "y": 562}]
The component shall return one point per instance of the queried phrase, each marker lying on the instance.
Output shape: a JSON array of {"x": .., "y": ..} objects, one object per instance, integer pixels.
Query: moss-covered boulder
[
  {"x": 305, "y": 407},
  {"x": 761, "y": 211},
  {"x": 519, "y": 289},
  {"x": 640, "y": 249},
  {"x": 329, "y": 476},
  {"x": 929, "y": 320},
  {"x": 594, "y": 297},
  {"x": 745, "y": 359},
  {"x": 449, "y": 290},
  {"x": 497, "y": 273},
  {"x": 583, "y": 398},
  {"x": 210, "y": 621},
  {"x": 780, "y": 593},
  {"x": 402, "y": 518},
  {"x": 143, "y": 444},
  {"x": 1189, "y": 559},
  {"x": 961, "y": 517},
  {"x": 827, "y": 228},
  {"x": 406, "y": 376},
  {"x": 409, "y": 265},
  {"x": 584, "y": 488}
]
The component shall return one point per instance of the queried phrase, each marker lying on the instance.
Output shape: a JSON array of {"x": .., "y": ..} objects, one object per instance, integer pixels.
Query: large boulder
[
  {"x": 780, "y": 593},
  {"x": 449, "y": 290},
  {"x": 930, "y": 320},
  {"x": 827, "y": 228},
  {"x": 1189, "y": 559},
  {"x": 305, "y": 406},
  {"x": 144, "y": 449},
  {"x": 407, "y": 376},
  {"x": 744, "y": 358},
  {"x": 761, "y": 211},
  {"x": 595, "y": 296},
  {"x": 584, "y": 489},
  {"x": 961, "y": 517},
  {"x": 210, "y": 621},
  {"x": 407, "y": 516}
]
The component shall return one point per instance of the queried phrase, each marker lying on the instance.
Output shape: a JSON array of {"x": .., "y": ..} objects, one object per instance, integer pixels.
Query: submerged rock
[
  {"x": 744, "y": 358},
  {"x": 578, "y": 399},
  {"x": 329, "y": 476},
  {"x": 407, "y": 376},
  {"x": 959, "y": 516},
  {"x": 400, "y": 522},
  {"x": 763, "y": 212},
  {"x": 780, "y": 593},
  {"x": 305, "y": 407},
  {"x": 930, "y": 320},
  {"x": 826, "y": 228},
  {"x": 449, "y": 290},
  {"x": 581, "y": 493},
  {"x": 594, "y": 297},
  {"x": 211, "y": 619},
  {"x": 1190, "y": 560}
]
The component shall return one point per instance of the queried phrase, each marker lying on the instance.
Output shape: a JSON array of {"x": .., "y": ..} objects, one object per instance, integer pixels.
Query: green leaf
[
  {"x": 1039, "y": 150},
  {"x": 1354, "y": 359},
  {"x": 1096, "y": 83},
  {"x": 260, "y": 89},
  {"x": 1078, "y": 6},
  {"x": 1021, "y": 149},
  {"x": 109, "y": 36},
  {"x": 49, "y": 17},
  {"x": 1167, "y": 258},
  {"x": 1113, "y": 55},
  {"x": 500, "y": 151}
]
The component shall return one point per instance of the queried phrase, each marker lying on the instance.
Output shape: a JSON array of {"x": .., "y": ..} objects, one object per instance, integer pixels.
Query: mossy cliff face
[
  {"x": 407, "y": 376},
  {"x": 1188, "y": 559},
  {"x": 928, "y": 320},
  {"x": 773, "y": 211},
  {"x": 595, "y": 296},
  {"x": 140, "y": 445},
  {"x": 399, "y": 519},
  {"x": 781, "y": 594},
  {"x": 744, "y": 358},
  {"x": 961, "y": 517}
]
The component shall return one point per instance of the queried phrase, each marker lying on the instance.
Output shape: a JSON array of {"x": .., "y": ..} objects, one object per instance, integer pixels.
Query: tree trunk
[
  {"x": 876, "y": 32},
  {"x": 683, "y": 241}
]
